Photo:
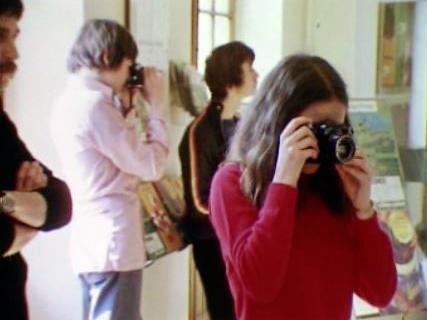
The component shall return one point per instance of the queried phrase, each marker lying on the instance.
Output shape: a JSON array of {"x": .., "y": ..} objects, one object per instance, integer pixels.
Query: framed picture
[
  {"x": 376, "y": 137},
  {"x": 162, "y": 204},
  {"x": 395, "y": 30}
]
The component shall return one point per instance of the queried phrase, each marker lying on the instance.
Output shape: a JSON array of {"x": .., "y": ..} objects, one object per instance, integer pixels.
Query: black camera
[
  {"x": 336, "y": 142},
  {"x": 136, "y": 76}
]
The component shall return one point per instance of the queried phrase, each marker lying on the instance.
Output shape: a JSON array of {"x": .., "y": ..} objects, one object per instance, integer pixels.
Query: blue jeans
[{"x": 111, "y": 295}]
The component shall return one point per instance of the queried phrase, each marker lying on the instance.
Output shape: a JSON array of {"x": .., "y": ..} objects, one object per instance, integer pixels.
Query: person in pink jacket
[
  {"x": 291, "y": 206},
  {"x": 103, "y": 159}
]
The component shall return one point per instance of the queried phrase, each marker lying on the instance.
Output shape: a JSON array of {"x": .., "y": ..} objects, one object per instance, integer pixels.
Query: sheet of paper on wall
[
  {"x": 363, "y": 106},
  {"x": 375, "y": 136},
  {"x": 149, "y": 23},
  {"x": 387, "y": 191}
]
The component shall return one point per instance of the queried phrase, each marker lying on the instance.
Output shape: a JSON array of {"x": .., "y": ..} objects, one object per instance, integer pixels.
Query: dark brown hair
[
  {"x": 11, "y": 8},
  {"x": 98, "y": 37},
  {"x": 296, "y": 82},
  {"x": 224, "y": 68}
]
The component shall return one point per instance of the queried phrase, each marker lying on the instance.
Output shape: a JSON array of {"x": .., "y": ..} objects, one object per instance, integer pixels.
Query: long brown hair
[{"x": 296, "y": 82}]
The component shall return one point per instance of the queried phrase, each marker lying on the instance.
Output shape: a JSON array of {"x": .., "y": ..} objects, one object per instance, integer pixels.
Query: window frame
[{"x": 213, "y": 13}]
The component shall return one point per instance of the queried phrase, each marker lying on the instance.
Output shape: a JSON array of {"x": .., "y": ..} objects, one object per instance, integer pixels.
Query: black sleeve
[
  {"x": 196, "y": 169},
  {"x": 7, "y": 233},
  {"x": 13, "y": 152},
  {"x": 58, "y": 199},
  {"x": 56, "y": 192},
  {"x": 202, "y": 172}
]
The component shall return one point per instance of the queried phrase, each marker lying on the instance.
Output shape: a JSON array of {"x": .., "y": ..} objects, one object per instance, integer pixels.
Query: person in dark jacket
[
  {"x": 230, "y": 77},
  {"x": 31, "y": 198}
]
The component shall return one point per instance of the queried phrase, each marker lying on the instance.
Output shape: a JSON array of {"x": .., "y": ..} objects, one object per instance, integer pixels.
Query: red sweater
[{"x": 293, "y": 259}]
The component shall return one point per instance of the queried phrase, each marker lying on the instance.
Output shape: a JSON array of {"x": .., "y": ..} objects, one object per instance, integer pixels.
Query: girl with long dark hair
[{"x": 298, "y": 232}]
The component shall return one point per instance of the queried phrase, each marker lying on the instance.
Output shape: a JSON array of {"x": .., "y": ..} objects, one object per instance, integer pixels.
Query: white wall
[
  {"x": 418, "y": 106},
  {"x": 166, "y": 282},
  {"x": 345, "y": 33},
  {"x": 333, "y": 34},
  {"x": 106, "y": 9},
  {"x": 180, "y": 30},
  {"x": 274, "y": 29},
  {"x": 294, "y": 26},
  {"x": 342, "y": 31},
  {"x": 47, "y": 33},
  {"x": 180, "y": 51},
  {"x": 259, "y": 25}
]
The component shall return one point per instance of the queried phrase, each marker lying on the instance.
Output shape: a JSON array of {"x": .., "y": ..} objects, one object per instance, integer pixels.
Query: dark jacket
[
  {"x": 13, "y": 270},
  {"x": 202, "y": 149}
]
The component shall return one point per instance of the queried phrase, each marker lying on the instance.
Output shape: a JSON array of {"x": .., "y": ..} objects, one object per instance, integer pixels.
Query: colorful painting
[
  {"x": 162, "y": 205},
  {"x": 375, "y": 136},
  {"x": 395, "y": 47}
]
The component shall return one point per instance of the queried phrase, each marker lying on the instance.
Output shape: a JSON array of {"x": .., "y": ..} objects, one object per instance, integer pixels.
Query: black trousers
[
  {"x": 211, "y": 268},
  {"x": 13, "y": 278}
]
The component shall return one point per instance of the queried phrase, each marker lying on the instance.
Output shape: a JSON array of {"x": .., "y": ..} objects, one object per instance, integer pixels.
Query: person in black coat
[
  {"x": 230, "y": 77},
  {"x": 31, "y": 198}
]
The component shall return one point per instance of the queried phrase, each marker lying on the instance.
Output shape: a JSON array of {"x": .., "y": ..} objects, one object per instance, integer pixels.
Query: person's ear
[
  {"x": 104, "y": 59},
  {"x": 231, "y": 88}
]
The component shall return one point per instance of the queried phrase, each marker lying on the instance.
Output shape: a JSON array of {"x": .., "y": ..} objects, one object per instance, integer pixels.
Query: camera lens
[
  {"x": 336, "y": 142},
  {"x": 344, "y": 148}
]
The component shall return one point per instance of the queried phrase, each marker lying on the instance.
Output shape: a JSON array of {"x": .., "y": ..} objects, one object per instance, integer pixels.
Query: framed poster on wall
[
  {"x": 395, "y": 30},
  {"x": 375, "y": 135}
]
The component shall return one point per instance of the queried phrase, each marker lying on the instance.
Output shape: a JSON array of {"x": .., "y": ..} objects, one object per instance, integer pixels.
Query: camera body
[
  {"x": 136, "y": 76},
  {"x": 336, "y": 142}
]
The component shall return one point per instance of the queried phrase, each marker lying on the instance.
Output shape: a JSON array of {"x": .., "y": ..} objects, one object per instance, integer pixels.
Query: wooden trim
[
  {"x": 381, "y": 11},
  {"x": 127, "y": 14},
  {"x": 192, "y": 287},
  {"x": 232, "y": 17},
  {"x": 194, "y": 31},
  {"x": 214, "y": 13}
]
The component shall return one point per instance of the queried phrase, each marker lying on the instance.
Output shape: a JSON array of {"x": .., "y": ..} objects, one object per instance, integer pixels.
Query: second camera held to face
[{"x": 136, "y": 76}]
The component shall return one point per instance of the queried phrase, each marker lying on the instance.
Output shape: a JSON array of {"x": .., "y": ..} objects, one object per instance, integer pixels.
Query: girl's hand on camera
[
  {"x": 356, "y": 177},
  {"x": 297, "y": 144}
]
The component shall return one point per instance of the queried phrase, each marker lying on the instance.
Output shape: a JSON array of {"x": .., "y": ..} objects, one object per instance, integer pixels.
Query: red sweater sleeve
[
  {"x": 257, "y": 243},
  {"x": 376, "y": 276}
]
